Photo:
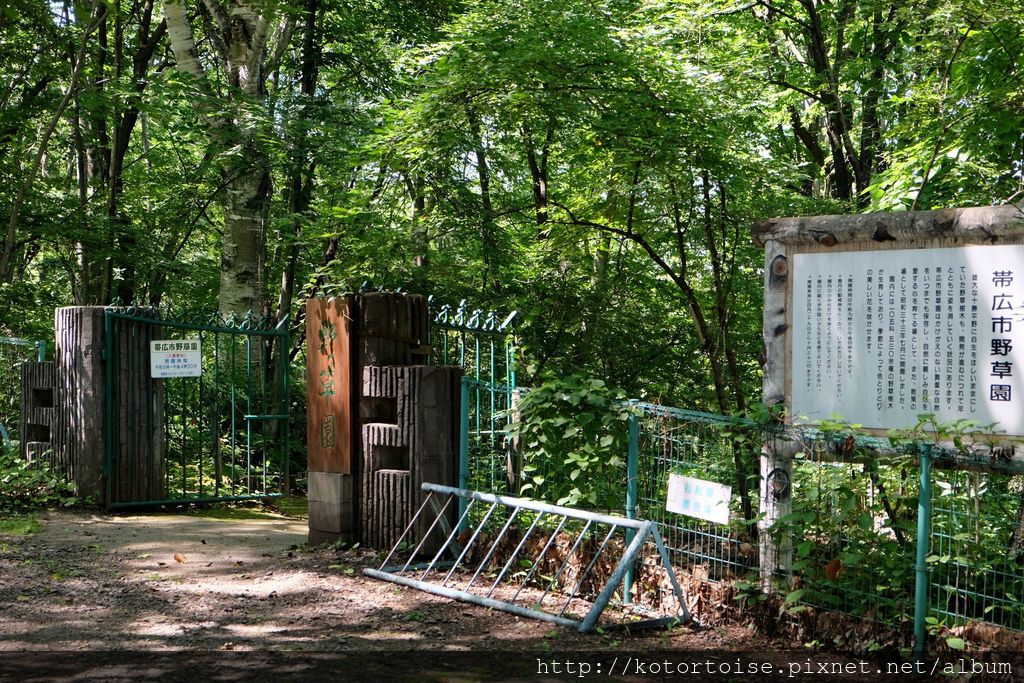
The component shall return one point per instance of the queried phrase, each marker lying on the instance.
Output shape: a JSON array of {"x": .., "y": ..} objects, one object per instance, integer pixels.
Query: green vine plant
[
  {"x": 956, "y": 439},
  {"x": 574, "y": 440}
]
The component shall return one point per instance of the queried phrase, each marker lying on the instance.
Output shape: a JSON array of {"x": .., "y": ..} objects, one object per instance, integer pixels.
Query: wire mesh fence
[
  {"x": 854, "y": 525},
  {"x": 976, "y": 562},
  {"x": 671, "y": 441},
  {"x": 854, "y": 539}
]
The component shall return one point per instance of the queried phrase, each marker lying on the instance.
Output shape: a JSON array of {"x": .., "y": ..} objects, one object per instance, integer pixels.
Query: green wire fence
[
  {"x": 672, "y": 441},
  {"x": 976, "y": 560},
  {"x": 855, "y": 526},
  {"x": 219, "y": 434},
  {"x": 483, "y": 345}
]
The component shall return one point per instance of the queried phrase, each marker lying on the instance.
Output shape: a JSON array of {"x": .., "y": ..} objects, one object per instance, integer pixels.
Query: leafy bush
[
  {"x": 26, "y": 486},
  {"x": 573, "y": 436}
]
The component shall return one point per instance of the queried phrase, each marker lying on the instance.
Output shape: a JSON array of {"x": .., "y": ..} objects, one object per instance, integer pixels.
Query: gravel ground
[{"x": 176, "y": 590}]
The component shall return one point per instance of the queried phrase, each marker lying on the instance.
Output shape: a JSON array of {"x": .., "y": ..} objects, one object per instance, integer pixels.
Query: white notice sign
[
  {"x": 880, "y": 337},
  {"x": 698, "y": 498},
  {"x": 175, "y": 358}
]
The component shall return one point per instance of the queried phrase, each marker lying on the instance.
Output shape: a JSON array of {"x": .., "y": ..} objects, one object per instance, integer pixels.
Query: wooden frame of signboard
[{"x": 783, "y": 238}]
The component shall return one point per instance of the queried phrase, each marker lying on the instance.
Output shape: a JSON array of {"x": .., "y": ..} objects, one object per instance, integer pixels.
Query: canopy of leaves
[{"x": 593, "y": 164}]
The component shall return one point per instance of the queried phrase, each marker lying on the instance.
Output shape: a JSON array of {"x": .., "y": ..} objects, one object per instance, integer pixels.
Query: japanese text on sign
[
  {"x": 698, "y": 498},
  {"x": 177, "y": 358},
  {"x": 881, "y": 337}
]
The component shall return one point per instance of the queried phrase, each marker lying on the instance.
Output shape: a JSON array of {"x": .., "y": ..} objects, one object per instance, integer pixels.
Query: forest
[
  {"x": 595, "y": 165},
  {"x": 591, "y": 173}
]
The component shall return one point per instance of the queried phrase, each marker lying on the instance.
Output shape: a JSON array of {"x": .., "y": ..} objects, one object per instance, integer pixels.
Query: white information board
[
  {"x": 698, "y": 498},
  {"x": 175, "y": 358},
  {"x": 880, "y": 337}
]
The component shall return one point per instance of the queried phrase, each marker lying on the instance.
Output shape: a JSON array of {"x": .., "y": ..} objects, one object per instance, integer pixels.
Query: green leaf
[{"x": 956, "y": 643}]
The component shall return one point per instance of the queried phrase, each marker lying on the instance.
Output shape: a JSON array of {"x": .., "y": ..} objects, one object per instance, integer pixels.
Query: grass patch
[
  {"x": 292, "y": 506},
  {"x": 19, "y": 524}
]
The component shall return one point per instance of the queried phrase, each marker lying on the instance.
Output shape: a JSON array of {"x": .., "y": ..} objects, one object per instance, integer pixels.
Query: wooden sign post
[
  {"x": 881, "y": 317},
  {"x": 380, "y": 420},
  {"x": 331, "y": 422}
]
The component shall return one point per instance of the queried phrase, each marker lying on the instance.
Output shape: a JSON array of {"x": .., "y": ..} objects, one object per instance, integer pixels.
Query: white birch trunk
[
  {"x": 242, "y": 33},
  {"x": 243, "y": 244},
  {"x": 776, "y": 550}
]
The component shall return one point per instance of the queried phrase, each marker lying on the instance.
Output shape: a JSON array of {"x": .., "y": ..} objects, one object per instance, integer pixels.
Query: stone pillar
[
  {"x": 38, "y": 387},
  {"x": 419, "y": 444}
]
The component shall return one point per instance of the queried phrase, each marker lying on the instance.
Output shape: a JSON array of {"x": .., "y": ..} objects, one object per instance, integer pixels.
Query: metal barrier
[{"x": 575, "y": 548}]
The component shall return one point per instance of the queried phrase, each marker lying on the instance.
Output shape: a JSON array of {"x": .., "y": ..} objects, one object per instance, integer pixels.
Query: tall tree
[
  {"x": 106, "y": 116},
  {"x": 246, "y": 41}
]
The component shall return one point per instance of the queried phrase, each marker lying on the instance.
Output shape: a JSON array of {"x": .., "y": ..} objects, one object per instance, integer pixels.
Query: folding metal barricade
[{"x": 492, "y": 562}]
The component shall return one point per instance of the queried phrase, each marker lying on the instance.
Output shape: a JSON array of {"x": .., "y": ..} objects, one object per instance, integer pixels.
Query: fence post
[
  {"x": 41, "y": 351},
  {"x": 463, "y": 450},
  {"x": 924, "y": 518},
  {"x": 632, "y": 465},
  {"x": 107, "y": 468},
  {"x": 284, "y": 364}
]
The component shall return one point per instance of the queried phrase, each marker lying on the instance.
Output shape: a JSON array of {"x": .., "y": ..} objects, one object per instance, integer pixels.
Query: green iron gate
[
  {"x": 195, "y": 410},
  {"x": 483, "y": 345}
]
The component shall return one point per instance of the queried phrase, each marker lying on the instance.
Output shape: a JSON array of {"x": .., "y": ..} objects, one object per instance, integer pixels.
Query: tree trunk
[
  {"x": 538, "y": 164},
  {"x": 488, "y": 226},
  {"x": 240, "y": 35},
  {"x": 242, "y": 248}
]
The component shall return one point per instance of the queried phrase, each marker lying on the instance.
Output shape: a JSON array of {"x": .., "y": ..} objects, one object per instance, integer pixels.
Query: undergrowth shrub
[
  {"x": 27, "y": 486},
  {"x": 573, "y": 437}
]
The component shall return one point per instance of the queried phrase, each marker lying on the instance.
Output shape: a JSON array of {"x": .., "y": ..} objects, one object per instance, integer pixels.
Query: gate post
[
  {"x": 78, "y": 429},
  {"x": 332, "y": 432},
  {"x": 106, "y": 405},
  {"x": 463, "y": 449},
  {"x": 380, "y": 420}
]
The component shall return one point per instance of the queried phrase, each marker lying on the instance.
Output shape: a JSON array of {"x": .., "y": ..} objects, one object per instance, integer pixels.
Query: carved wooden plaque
[{"x": 329, "y": 382}]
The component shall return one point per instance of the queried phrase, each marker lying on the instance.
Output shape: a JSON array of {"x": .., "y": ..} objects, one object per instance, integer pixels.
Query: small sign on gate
[
  {"x": 698, "y": 498},
  {"x": 175, "y": 358}
]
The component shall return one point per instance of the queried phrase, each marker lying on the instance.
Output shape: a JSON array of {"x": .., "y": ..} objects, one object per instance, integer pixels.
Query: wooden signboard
[
  {"x": 329, "y": 365},
  {"x": 880, "y": 317}
]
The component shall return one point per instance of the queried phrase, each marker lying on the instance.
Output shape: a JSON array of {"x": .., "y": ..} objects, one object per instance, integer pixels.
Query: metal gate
[
  {"x": 194, "y": 410},
  {"x": 14, "y": 352},
  {"x": 483, "y": 345}
]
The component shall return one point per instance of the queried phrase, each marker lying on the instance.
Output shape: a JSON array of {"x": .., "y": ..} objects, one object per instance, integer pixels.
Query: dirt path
[
  {"x": 175, "y": 597},
  {"x": 169, "y": 582}
]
